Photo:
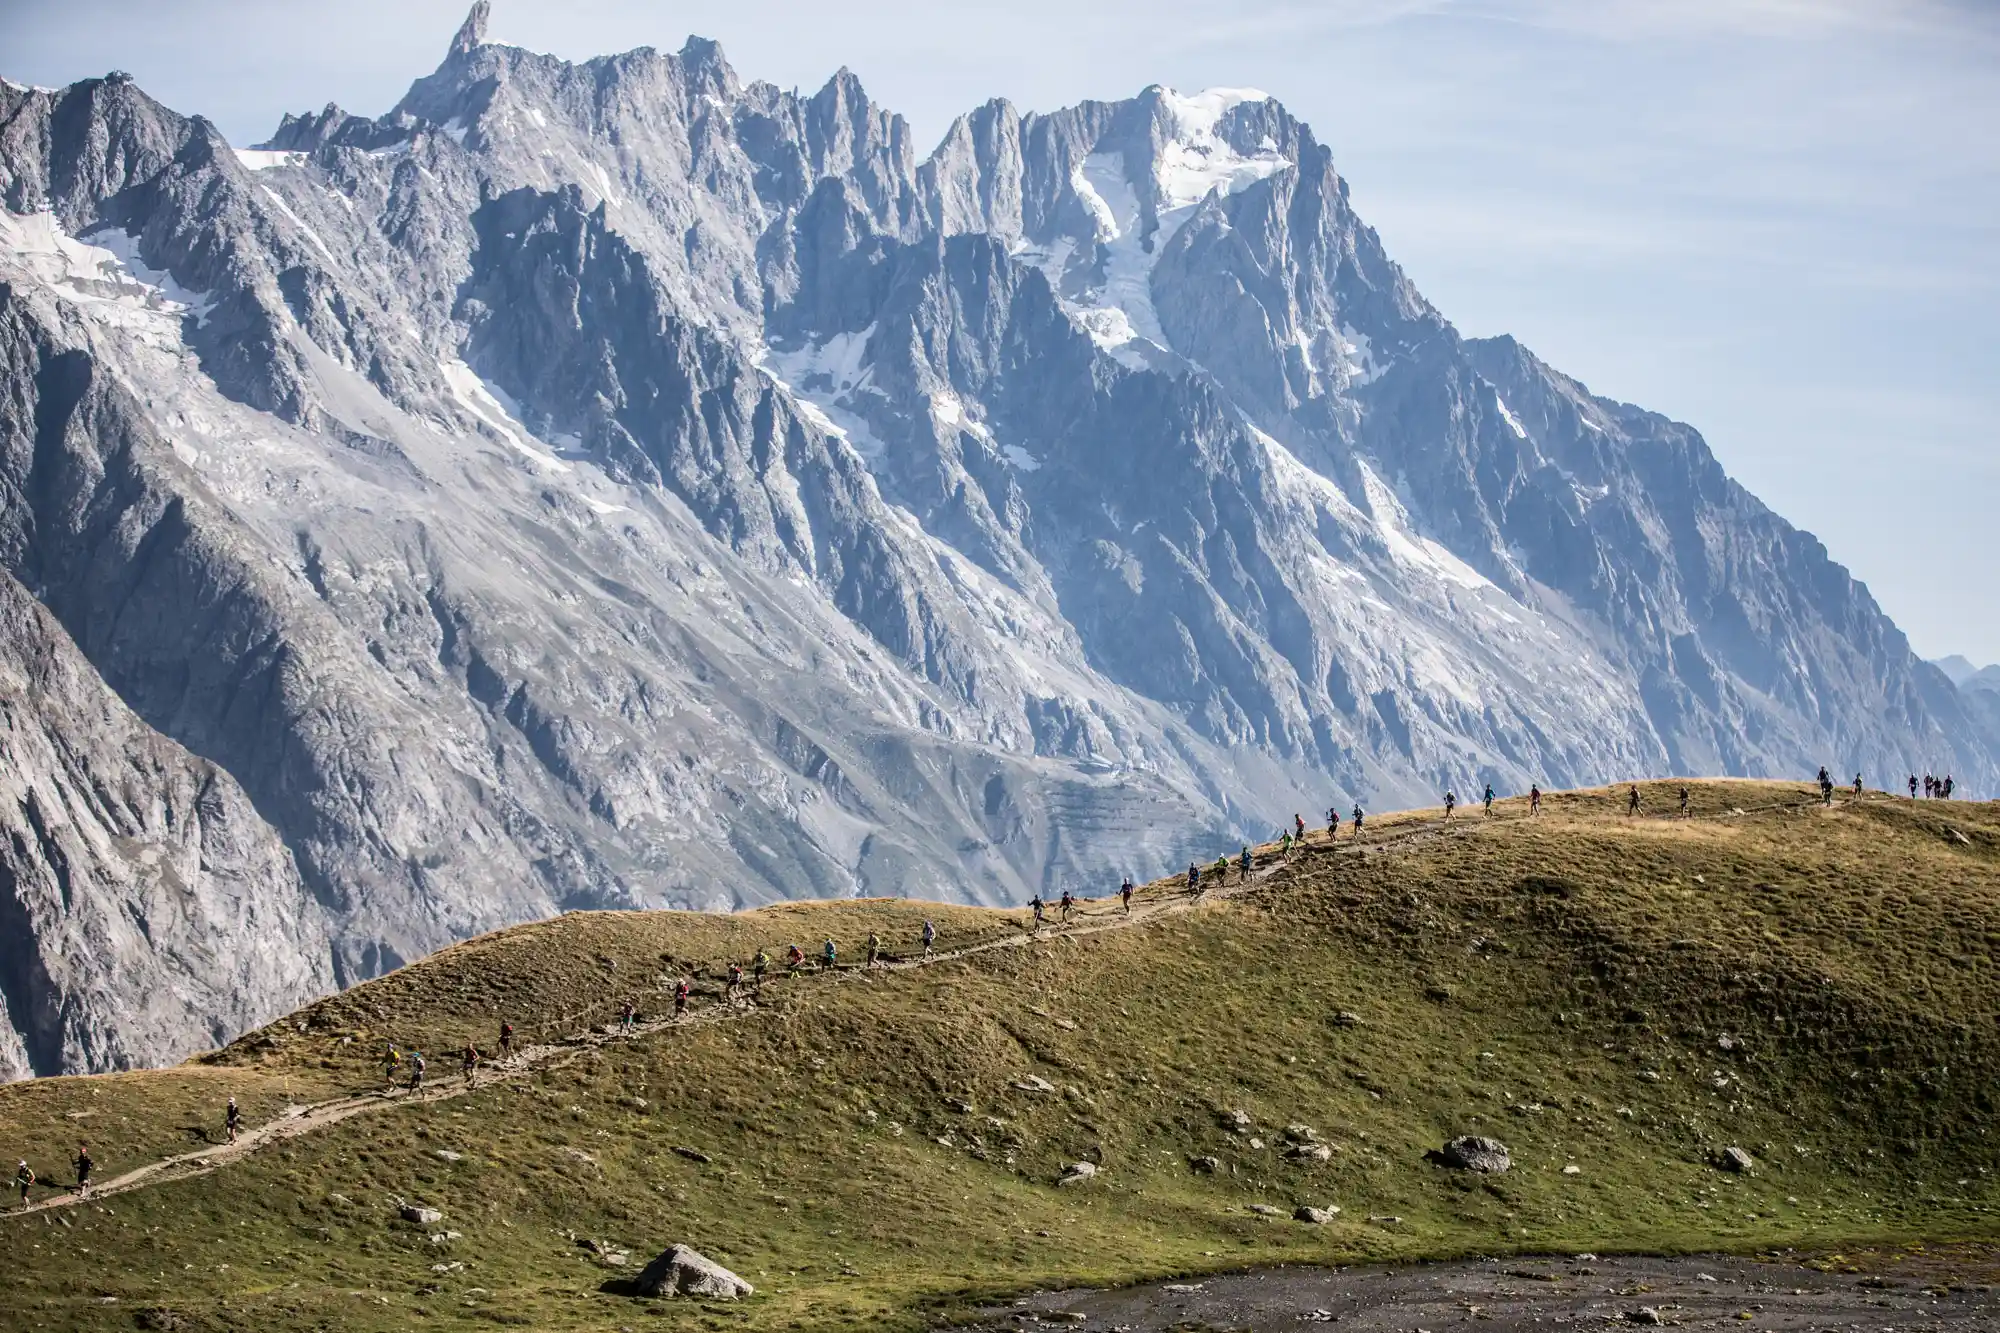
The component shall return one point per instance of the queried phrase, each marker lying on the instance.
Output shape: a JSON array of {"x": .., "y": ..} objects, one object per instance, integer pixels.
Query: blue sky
[{"x": 1778, "y": 220}]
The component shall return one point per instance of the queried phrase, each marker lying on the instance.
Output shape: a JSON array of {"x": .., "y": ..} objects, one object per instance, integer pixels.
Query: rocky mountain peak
[
  {"x": 605, "y": 484},
  {"x": 472, "y": 33}
]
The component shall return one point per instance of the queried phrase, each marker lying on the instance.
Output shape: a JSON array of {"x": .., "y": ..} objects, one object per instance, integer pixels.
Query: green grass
[{"x": 1565, "y": 984}]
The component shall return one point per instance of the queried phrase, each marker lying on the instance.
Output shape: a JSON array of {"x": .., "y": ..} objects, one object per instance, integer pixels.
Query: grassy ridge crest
[{"x": 1617, "y": 999}]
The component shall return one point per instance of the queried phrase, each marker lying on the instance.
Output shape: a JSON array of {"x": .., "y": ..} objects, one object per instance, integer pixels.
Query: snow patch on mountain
[
  {"x": 103, "y": 275},
  {"x": 297, "y": 221},
  {"x": 605, "y": 191},
  {"x": 1197, "y": 161},
  {"x": 1357, "y": 356},
  {"x": 823, "y": 378},
  {"x": 492, "y": 407},
  {"x": 1118, "y": 313},
  {"x": 1392, "y": 522},
  {"x": 263, "y": 159}
]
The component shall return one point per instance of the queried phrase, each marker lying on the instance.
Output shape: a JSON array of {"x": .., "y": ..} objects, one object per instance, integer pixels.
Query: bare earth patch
[{"x": 1949, "y": 1288}]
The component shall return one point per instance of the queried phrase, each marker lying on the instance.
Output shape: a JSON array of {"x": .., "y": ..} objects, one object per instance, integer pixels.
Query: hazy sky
[{"x": 1776, "y": 219}]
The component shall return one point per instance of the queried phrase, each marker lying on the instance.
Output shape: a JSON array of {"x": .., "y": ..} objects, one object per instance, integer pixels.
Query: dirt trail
[{"x": 1159, "y": 899}]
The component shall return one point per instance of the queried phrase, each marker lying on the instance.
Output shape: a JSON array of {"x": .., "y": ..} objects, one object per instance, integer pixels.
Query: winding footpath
[{"x": 1156, "y": 900}]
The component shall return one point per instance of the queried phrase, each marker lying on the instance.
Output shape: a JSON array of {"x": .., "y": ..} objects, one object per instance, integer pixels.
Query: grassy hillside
[{"x": 1622, "y": 997}]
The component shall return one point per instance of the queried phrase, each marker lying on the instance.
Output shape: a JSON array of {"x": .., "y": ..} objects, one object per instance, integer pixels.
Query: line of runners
[
  {"x": 25, "y": 1178},
  {"x": 408, "y": 1069},
  {"x": 412, "y": 1067}
]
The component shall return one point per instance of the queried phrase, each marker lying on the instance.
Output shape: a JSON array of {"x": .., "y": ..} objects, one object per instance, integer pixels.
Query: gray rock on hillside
[
  {"x": 1471, "y": 1152},
  {"x": 1735, "y": 1160},
  {"x": 681, "y": 1271}
]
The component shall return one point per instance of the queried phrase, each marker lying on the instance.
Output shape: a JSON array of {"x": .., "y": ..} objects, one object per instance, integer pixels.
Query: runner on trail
[
  {"x": 1035, "y": 906},
  {"x": 874, "y": 948},
  {"x": 1125, "y": 894},
  {"x": 930, "y": 937},
  {"x": 1825, "y": 788},
  {"x": 1489, "y": 798},
  {"x": 1632, "y": 801},
  {"x": 82, "y": 1169},
  {"x": 232, "y": 1120},
  {"x": 828, "y": 955},
  {"x": 506, "y": 1038},
  {"x": 1243, "y": 864},
  {"x": 1298, "y": 827},
  {"x": 1857, "y": 784},
  {"x": 1359, "y": 815},
  {"x": 1913, "y": 786},
  {"x": 1066, "y": 905},
  {"x": 1220, "y": 870},
  {"x": 1947, "y": 786},
  {"x": 1194, "y": 880},
  {"x": 1684, "y": 802},
  {"x": 1450, "y": 801},
  {"x": 1284, "y": 844},
  {"x": 1332, "y": 824},
  {"x": 681, "y": 992},
  {"x": 468, "y": 1062},
  {"x": 392, "y": 1063},
  {"x": 416, "y": 1070},
  {"x": 795, "y": 958},
  {"x": 24, "y": 1180},
  {"x": 1535, "y": 799},
  {"x": 626, "y": 1014},
  {"x": 735, "y": 980}
]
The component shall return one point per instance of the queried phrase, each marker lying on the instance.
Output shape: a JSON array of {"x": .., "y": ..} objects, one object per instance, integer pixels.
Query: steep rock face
[
  {"x": 145, "y": 910},
  {"x": 615, "y": 484},
  {"x": 450, "y": 741},
  {"x": 175, "y": 600}
]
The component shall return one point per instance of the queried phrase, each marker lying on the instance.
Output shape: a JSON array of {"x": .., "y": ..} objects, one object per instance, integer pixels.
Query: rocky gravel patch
[{"x": 1534, "y": 1296}]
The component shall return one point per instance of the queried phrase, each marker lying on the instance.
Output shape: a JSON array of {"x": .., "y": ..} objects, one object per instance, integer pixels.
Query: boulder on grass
[
  {"x": 1078, "y": 1173},
  {"x": 1735, "y": 1160},
  {"x": 683, "y": 1272},
  {"x": 1469, "y": 1152}
]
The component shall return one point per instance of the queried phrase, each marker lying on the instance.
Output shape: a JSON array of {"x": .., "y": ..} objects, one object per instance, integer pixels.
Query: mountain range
[{"x": 618, "y": 485}]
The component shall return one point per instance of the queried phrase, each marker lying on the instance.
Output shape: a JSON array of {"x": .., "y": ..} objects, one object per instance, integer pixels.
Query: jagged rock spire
[{"x": 473, "y": 31}]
